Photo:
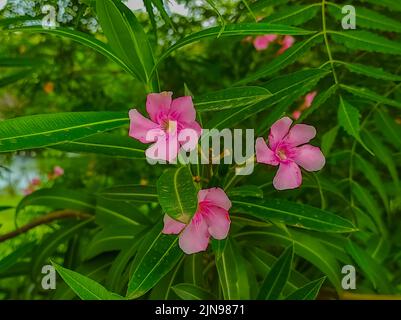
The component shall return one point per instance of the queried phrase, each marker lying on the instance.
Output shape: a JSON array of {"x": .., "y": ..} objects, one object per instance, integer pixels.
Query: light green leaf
[
  {"x": 308, "y": 291},
  {"x": 390, "y": 4},
  {"x": 177, "y": 194},
  {"x": 48, "y": 129},
  {"x": 294, "y": 14},
  {"x": 246, "y": 191},
  {"x": 277, "y": 278},
  {"x": 84, "y": 287},
  {"x": 126, "y": 37},
  {"x": 389, "y": 128},
  {"x": 188, "y": 291},
  {"x": 328, "y": 140},
  {"x": 230, "y": 98},
  {"x": 369, "y": 71},
  {"x": 133, "y": 193},
  {"x": 10, "y": 260},
  {"x": 370, "y": 95},
  {"x": 294, "y": 214},
  {"x": 367, "y": 41},
  {"x": 158, "y": 254},
  {"x": 349, "y": 119}
]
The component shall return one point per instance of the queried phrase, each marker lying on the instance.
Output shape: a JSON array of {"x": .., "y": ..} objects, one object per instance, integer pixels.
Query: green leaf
[
  {"x": 294, "y": 214},
  {"x": 177, "y": 194},
  {"x": 280, "y": 88},
  {"x": 188, "y": 291},
  {"x": 373, "y": 176},
  {"x": 133, "y": 193},
  {"x": 305, "y": 245},
  {"x": 375, "y": 272},
  {"x": 239, "y": 29},
  {"x": 48, "y": 129},
  {"x": 370, "y": 95},
  {"x": 277, "y": 278},
  {"x": 246, "y": 191},
  {"x": 367, "y": 41},
  {"x": 230, "y": 98},
  {"x": 389, "y": 128},
  {"x": 57, "y": 198},
  {"x": 328, "y": 140},
  {"x": 50, "y": 244},
  {"x": 160, "y": 7},
  {"x": 287, "y": 58},
  {"x": 106, "y": 144},
  {"x": 308, "y": 291},
  {"x": 348, "y": 118},
  {"x": 369, "y": 71},
  {"x": 158, "y": 254},
  {"x": 232, "y": 272},
  {"x": 319, "y": 100},
  {"x": 84, "y": 287},
  {"x": 10, "y": 260},
  {"x": 368, "y": 19},
  {"x": 126, "y": 37},
  {"x": 294, "y": 14},
  {"x": 15, "y": 77},
  {"x": 81, "y": 38},
  {"x": 390, "y": 4}
]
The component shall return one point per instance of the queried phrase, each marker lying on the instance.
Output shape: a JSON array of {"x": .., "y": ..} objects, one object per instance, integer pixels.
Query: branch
[{"x": 56, "y": 215}]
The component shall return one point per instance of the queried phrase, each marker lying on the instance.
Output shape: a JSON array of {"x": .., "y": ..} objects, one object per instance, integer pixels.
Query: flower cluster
[
  {"x": 37, "y": 183},
  {"x": 288, "y": 149},
  {"x": 263, "y": 42},
  {"x": 308, "y": 100}
]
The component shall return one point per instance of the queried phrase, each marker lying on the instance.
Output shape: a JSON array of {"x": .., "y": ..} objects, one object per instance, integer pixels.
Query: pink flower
[
  {"x": 27, "y": 191},
  {"x": 309, "y": 99},
  {"x": 36, "y": 181},
  {"x": 262, "y": 42},
  {"x": 296, "y": 114},
  {"x": 58, "y": 171},
  {"x": 286, "y": 43},
  {"x": 288, "y": 149},
  {"x": 211, "y": 219},
  {"x": 168, "y": 119}
]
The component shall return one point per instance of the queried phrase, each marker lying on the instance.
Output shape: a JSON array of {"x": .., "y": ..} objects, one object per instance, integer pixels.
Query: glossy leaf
[
  {"x": 134, "y": 193},
  {"x": 307, "y": 292},
  {"x": 187, "y": 291}
]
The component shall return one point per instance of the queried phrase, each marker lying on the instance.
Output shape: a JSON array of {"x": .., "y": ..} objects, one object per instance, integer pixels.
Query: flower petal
[
  {"x": 182, "y": 109},
  {"x": 215, "y": 197},
  {"x": 288, "y": 176},
  {"x": 172, "y": 226},
  {"x": 158, "y": 105},
  {"x": 166, "y": 148},
  {"x": 264, "y": 154},
  {"x": 309, "y": 157},
  {"x": 218, "y": 221},
  {"x": 278, "y": 131},
  {"x": 195, "y": 237},
  {"x": 300, "y": 134},
  {"x": 140, "y": 127}
]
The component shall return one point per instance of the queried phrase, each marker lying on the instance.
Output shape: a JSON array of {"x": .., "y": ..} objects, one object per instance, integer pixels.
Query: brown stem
[{"x": 57, "y": 215}]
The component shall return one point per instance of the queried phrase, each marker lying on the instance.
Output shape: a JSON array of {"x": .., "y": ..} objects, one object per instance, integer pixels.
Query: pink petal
[
  {"x": 164, "y": 149},
  {"x": 158, "y": 105},
  {"x": 216, "y": 197},
  {"x": 182, "y": 109},
  {"x": 264, "y": 154},
  {"x": 309, "y": 157},
  {"x": 260, "y": 43},
  {"x": 309, "y": 98},
  {"x": 300, "y": 134},
  {"x": 188, "y": 138},
  {"x": 278, "y": 131},
  {"x": 195, "y": 236},
  {"x": 172, "y": 226},
  {"x": 296, "y": 114},
  {"x": 140, "y": 126},
  {"x": 288, "y": 176},
  {"x": 218, "y": 221}
]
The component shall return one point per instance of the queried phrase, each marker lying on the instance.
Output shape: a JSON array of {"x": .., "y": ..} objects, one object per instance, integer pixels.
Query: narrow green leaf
[
  {"x": 367, "y": 41},
  {"x": 349, "y": 119},
  {"x": 294, "y": 14},
  {"x": 328, "y": 140},
  {"x": 188, "y": 291},
  {"x": 246, "y": 191},
  {"x": 389, "y": 128},
  {"x": 15, "y": 77},
  {"x": 84, "y": 287},
  {"x": 158, "y": 254},
  {"x": 177, "y": 194},
  {"x": 307, "y": 292},
  {"x": 294, "y": 214},
  {"x": 48, "y": 129},
  {"x": 390, "y": 4},
  {"x": 369, "y": 71},
  {"x": 230, "y": 98},
  {"x": 10, "y": 260},
  {"x": 370, "y": 95},
  {"x": 277, "y": 278},
  {"x": 134, "y": 193}
]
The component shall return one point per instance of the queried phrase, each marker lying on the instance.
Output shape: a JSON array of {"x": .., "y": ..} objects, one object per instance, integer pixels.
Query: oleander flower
[
  {"x": 168, "y": 119},
  {"x": 309, "y": 99},
  {"x": 58, "y": 171},
  {"x": 262, "y": 42},
  {"x": 210, "y": 220},
  {"x": 289, "y": 150},
  {"x": 286, "y": 43}
]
